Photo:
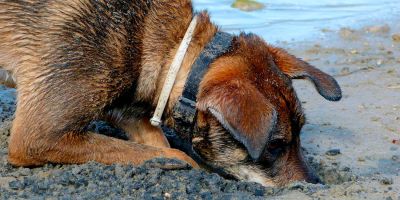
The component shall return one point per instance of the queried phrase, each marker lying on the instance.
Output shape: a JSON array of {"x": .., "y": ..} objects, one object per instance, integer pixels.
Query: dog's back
[
  {"x": 14, "y": 35},
  {"x": 71, "y": 59},
  {"x": 61, "y": 35},
  {"x": 17, "y": 19}
]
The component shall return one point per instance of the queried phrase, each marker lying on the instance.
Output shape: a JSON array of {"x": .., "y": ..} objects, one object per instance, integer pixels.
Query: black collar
[{"x": 184, "y": 112}]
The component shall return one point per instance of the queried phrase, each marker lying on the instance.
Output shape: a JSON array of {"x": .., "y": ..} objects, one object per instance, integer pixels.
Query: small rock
[
  {"x": 270, "y": 191},
  {"x": 379, "y": 62},
  {"x": 354, "y": 52},
  {"x": 396, "y": 37},
  {"x": 345, "y": 71},
  {"x": 333, "y": 152},
  {"x": 326, "y": 30},
  {"x": 25, "y": 172},
  {"x": 76, "y": 170},
  {"x": 167, "y": 195},
  {"x": 386, "y": 181},
  {"x": 248, "y": 5},
  {"x": 375, "y": 119},
  {"x": 395, "y": 158},
  {"x": 347, "y": 33},
  {"x": 378, "y": 29},
  {"x": 326, "y": 124},
  {"x": 346, "y": 169}
]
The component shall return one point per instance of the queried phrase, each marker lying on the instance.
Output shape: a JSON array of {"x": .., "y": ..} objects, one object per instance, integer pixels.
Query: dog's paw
[{"x": 167, "y": 164}]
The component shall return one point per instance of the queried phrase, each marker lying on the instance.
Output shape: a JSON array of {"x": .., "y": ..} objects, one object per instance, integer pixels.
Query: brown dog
[{"x": 79, "y": 60}]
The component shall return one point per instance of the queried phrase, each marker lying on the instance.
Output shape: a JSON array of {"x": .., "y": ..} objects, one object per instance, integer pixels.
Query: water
[{"x": 286, "y": 20}]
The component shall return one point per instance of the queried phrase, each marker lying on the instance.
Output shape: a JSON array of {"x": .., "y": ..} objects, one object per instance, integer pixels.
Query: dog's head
[{"x": 250, "y": 117}]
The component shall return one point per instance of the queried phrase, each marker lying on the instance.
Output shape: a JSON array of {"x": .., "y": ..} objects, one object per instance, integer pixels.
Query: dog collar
[
  {"x": 172, "y": 73},
  {"x": 184, "y": 111}
]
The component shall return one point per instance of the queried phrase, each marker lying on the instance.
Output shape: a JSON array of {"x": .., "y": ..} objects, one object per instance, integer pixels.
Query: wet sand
[{"x": 353, "y": 144}]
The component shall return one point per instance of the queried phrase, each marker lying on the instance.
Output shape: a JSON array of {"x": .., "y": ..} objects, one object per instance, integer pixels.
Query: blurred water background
[{"x": 284, "y": 20}]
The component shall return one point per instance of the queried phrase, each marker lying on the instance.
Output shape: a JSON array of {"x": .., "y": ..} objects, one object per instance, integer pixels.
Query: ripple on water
[{"x": 285, "y": 20}]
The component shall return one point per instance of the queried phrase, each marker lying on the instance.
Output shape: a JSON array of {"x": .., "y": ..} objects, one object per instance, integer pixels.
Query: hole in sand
[{"x": 331, "y": 173}]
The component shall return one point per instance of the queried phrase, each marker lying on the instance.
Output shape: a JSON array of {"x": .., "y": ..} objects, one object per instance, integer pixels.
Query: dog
[{"x": 82, "y": 60}]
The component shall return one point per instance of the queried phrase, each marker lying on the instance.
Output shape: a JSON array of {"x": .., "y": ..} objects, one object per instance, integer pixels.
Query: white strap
[{"x": 172, "y": 73}]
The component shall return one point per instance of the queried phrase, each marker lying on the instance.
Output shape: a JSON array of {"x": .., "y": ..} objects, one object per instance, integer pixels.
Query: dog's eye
[
  {"x": 276, "y": 143},
  {"x": 277, "y": 146}
]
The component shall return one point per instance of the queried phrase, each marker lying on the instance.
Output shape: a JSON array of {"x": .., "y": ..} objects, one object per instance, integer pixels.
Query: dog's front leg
[
  {"x": 49, "y": 127},
  {"x": 73, "y": 148},
  {"x": 142, "y": 132}
]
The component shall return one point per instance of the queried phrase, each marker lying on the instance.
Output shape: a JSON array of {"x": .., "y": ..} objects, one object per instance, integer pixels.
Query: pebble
[
  {"x": 396, "y": 37},
  {"x": 167, "y": 195},
  {"x": 375, "y": 119},
  {"x": 248, "y": 5},
  {"x": 395, "y": 158},
  {"x": 386, "y": 181},
  {"x": 345, "y": 71},
  {"x": 379, "y": 62},
  {"x": 346, "y": 169},
  {"x": 347, "y": 33},
  {"x": 354, "y": 52},
  {"x": 326, "y": 30},
  {"x": 378, "y": 29},
  {"x": 333, "y": 152}
]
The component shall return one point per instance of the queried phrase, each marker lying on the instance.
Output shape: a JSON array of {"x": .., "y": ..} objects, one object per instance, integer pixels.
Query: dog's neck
[{"x": 160, "y": 42}]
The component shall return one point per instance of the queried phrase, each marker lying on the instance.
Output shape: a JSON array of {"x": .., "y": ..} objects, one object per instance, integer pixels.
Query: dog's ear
[
  {"x": 243, "y": 111},
  {"x": 298, "y": 69}
]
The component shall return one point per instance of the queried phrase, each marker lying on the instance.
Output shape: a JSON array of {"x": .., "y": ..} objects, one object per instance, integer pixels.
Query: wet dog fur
[{"x": 81, "y": 60}]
